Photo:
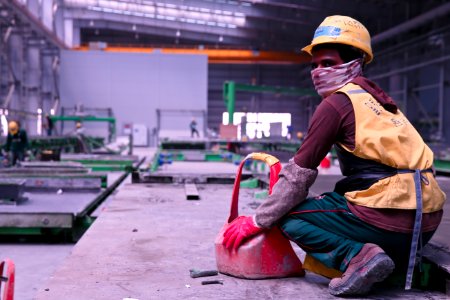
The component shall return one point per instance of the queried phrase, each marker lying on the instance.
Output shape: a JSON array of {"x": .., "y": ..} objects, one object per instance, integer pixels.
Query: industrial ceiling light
[
  {"x": 178, "y": 33},
  {"x": 220, "y": 39},
  {"x": 165, "y": 11}
]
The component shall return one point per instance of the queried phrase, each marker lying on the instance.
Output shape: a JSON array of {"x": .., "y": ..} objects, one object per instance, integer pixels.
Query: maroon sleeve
[{"x": 333, "y": 121}]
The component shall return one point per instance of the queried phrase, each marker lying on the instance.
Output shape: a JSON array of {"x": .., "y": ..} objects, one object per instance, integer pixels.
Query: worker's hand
[{"x": 240, "y": 229}]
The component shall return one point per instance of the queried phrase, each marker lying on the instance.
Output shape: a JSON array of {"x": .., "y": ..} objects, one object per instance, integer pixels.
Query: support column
[
  {"x": 68, "y": 32},
  {"x": 47, "y": 83},
  {"x": 33, "y": 90},
  {"x": 58, "y": 20},
  {"x": 440, "y": 132},
  {"x": 76, "y": 36},
  {"x": 445, "y": 104},
  {"x": 47, "y": 13},
  {"x": 15, "y": 57},
  {"x": 396, "y": 85}
]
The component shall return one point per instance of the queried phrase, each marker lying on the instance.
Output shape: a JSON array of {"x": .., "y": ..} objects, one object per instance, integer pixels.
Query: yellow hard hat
[
  {"x": 342, "y": 30},
  {"x": 13, "y": 127}
]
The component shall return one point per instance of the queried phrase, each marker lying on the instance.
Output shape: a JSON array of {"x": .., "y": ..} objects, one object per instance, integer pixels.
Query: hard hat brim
[{"x": 308, "y": 50}]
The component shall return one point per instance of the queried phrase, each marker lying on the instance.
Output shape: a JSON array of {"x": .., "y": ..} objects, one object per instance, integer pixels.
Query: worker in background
[
  {"x": 373, "y": 220},
  {"x": 290, "y": 131},
  {"x": 16, "y": 142},
  {"x": 48, "y": 125},
  {"x": 79, "y": 129},
  {"x": 193, "y": 127}
]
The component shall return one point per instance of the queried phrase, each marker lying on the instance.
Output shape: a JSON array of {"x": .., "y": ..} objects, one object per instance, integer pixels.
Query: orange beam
[{"x": 220, "y": 56}]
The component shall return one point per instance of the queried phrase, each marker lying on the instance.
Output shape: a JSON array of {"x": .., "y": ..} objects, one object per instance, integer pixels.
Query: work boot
[{"x": 370, "y": 265}]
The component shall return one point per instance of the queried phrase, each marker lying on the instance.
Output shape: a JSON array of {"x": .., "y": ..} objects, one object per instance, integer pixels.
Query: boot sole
[{"x": 361, "y": 281}]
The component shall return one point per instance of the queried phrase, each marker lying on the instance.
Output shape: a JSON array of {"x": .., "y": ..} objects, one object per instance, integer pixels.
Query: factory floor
[
  {"x": 144, "y": 243},
  {"x": 36, "y": 261}
]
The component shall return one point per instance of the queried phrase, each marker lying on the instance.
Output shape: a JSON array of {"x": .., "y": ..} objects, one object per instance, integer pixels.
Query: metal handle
[{"x": 275, "y": 168}]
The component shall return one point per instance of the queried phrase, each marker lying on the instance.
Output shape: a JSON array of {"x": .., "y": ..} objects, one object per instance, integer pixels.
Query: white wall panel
[{"x": 134, "y": 85}]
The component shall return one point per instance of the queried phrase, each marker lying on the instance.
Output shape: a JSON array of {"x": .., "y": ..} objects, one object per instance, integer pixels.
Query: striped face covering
[{"x": 330, "y": 79}]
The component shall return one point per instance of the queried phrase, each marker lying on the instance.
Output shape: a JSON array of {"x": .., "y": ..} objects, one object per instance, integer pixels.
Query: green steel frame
[
  {"x": 110, "y": 120},
  {"x": 230, "y": 88}
]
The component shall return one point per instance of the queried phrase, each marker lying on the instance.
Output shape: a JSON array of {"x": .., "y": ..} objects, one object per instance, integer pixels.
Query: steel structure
[
  {"x": 410, "y": 40},
  {"x": 230, "y": 88},
  {"x": 29, "y": 60}
]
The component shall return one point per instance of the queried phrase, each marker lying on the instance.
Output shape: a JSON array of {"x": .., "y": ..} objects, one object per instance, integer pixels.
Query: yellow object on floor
[{"x": 313, "y": 265}]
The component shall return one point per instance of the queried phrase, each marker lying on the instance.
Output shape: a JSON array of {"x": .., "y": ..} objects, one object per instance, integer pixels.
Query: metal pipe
[
  {"x": 413, "y": 67},
  {"x": 426, "y": 87},
  {"x": 441, "y": 102},
  {"x": 415, "y": 22},
  {"x": 396, "y": 92},
  {"x": 405, "y": 94},
  {"x": 8, "y": 97}
]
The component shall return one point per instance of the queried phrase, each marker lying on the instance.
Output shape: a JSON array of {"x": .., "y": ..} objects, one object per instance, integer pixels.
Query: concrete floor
[
  {"x": 158, "y": 275},
  {"x": 35, "y": 263},
  {"x": 442, "y": 236},
  {"x": 143, "y": 245}
]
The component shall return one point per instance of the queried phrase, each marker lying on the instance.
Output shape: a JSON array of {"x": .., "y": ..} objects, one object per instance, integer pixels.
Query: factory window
[{"x": 260, "y": 125}]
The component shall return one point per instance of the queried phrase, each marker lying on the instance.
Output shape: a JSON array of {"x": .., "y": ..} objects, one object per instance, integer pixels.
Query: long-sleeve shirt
[
  {"x": 334, "y": 122},
  {"x": 17, "y": 142}
]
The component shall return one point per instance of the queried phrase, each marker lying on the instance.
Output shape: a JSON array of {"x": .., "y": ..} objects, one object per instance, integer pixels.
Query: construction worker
[
  {"x": 193, "y": 127},
  {"x": 79, "y": 129},
  {"x": 16, "y": 142},
  {"x": 49, "y": 125},
  {"x": 389, "y": 200}
]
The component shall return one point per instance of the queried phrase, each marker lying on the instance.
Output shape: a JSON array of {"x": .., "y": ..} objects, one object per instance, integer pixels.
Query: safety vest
[{"x": 389, "y": 139}]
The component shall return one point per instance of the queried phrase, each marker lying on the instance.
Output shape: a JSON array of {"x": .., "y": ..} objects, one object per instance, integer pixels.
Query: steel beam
[
  {"x": 170, "y": 32},
  {"x": 26, "y": 17},
  {"x": 82, "y": 14},
  {"x": 429, "y": 16},
  {"x": 412, "y": 67},
  {"x": 230, "y": 88}
]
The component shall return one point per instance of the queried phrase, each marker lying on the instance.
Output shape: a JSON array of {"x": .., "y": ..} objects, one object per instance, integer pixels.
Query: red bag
[{"x": 267, "y": 255}]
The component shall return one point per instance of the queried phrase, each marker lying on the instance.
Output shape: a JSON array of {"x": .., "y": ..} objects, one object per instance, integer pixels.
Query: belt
[{"x": 416, "y": 241}]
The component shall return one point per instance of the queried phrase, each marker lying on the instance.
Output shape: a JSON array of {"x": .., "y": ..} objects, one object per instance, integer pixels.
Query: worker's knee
[{"x": 292, "y": 228}]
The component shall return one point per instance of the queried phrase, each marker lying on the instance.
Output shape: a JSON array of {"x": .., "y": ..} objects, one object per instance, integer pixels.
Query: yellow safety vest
[{"x": 388, "y": 138}]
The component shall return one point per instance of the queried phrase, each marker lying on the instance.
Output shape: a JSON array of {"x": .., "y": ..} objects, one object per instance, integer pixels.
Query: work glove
[{"x": 240, "y": 229}]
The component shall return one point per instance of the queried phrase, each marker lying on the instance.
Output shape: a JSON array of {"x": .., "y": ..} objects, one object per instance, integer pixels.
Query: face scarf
[{"x": 330, "y": 79}]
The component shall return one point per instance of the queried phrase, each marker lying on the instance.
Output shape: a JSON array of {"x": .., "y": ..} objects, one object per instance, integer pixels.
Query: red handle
[
  {"x": 8, "y": 288},
  {"x": 275, "y": 168}
]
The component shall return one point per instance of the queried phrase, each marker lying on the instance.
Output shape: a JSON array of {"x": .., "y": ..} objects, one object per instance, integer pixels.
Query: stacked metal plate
[{"x": 12, "y": 191}]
